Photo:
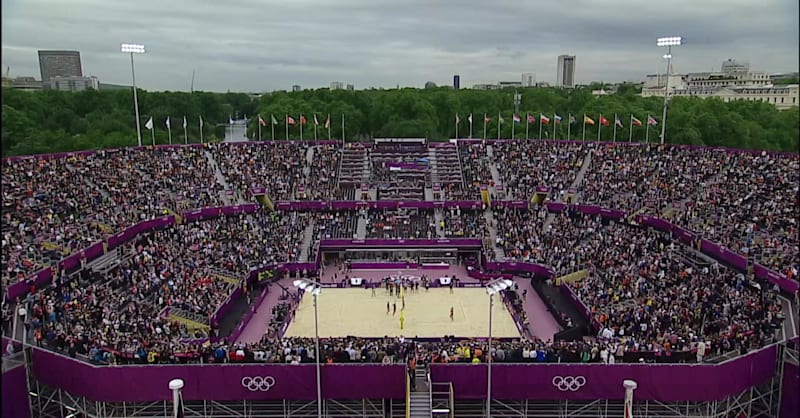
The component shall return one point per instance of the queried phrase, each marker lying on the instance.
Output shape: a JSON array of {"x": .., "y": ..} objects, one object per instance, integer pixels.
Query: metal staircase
[
  {"x": 420, "y": 400},
  {"x": 308, "y": 240},
  {"x": 361, "y": 227},
  {"x": 499, "y": 254},
  {"x": 234, "y": 199}
]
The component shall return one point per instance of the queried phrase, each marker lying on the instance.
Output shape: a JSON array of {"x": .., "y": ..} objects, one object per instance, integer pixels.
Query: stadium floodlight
[
  {"x": 492, "y": 288},
  {"x": 668, "y": 42},
  {"x": 134, "y": 49},
  {"x": 315, "y": 289},
  {"x": 175, "y": 385}
]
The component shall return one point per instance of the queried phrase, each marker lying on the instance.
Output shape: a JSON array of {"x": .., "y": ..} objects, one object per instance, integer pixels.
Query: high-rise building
[
  {"x": 456, "y": 81},
  {"x": 528, "y": 79},
  {"x": 730, "y": 66},
  {"x": 351, "y": 87},
  {"x": 296, "y": 87},
  {"x": 59, "y": 64},
  {"x": 565, "y": 76},
  {"x": 74, "y": 84},
  {"x": 337, "y": 85}
]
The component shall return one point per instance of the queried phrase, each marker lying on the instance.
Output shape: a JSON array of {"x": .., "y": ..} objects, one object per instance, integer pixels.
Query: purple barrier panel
[
  {"x": 120, "y": 238},
  {"x": 566, "y": 290},
  {"x": 542, "y": 189},
  {"x": 435, "y": 266},
  {"x": 226, "y": 307},
  {"x": 211, "y": 212},
  {"x": 293, "y": 267},
  {"x": 654, "y": 222},
  {"x": 514, "y": 266},
  {"x": 612, "y": 214},
  {"x": 786, "y": 284},
  {"x": 382, "y": 266},
  {"x": 456, "y": 242},
  {"x": 790, "y": 388},
  {"x": 211, "y": 382},
  {"x": 556, "y": 207},
  {"x": 683, "y": 234},
  {"x": 94, "y": 251},
  {"x": 518, "y": 204},
  {"x": 231, "y": 210},
  {"x": 21, "y": 289},
  {"x": 598, "y": 381},
  {"x": 363, "y": 381},
  {"x": 343, "y": 205},
  {"x": 194, "y": 215},
  {"x": 283, "y": 206},
  {"x": 723, "y": 254},
  {"x": 588, "y": 209},
  {"x": 248, "y": 315},
  {"x": 384, "y": 204},
  {"x": 70, "y": 262},
  {"x": 15, "y": 393}
]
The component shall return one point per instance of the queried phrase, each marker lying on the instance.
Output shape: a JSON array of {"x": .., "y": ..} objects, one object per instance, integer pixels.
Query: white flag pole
[
  {"x": 583, "y": 137},
  {"x": 344, "y": 138},
  {"x": 470, "y": 126},
  {"x": 484, "y": 127},
  {"x": 527, "y": 125},
  {"x": 499, "y": 125},
  {"x": 286, "y": 119},
  {"x": 614, "y": 138},
  {"x": 647, "y": 131},
  {"x": 169, "y": 131},
  {"x": 599, "y": 125},
  {"x": 185, "y": 134},
  {"x": 456, "y": 125},
  {"x": 630, "y": 127},
  {"x": 301, "y": 127},
  {"x": 175, "y": 385},
  {"x": 201, "y": 130},
  {"x": 512, "y": 125},
  {"x": 272, "y": 124},
  {"x": 259, "y": 128},
  {"x": 569, "y": 126},
  {"x": 315, "y": 126},
  {"x": 541, "y": 124}
]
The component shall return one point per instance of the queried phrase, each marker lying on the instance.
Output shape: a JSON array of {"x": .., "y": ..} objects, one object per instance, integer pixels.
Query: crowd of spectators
[
  {"x": 648, "y": 178},
  {"x": 457, "y": 223},
  {"x": 322, "y": 177},
  {"x": 526, "y": 165},
  {"x": 275, "y": 166},
  {"x": 401, "y": 223},
  {"x": 475, "y": 166}
]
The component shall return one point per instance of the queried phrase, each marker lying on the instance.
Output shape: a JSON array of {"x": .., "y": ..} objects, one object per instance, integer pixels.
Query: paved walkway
[{"x": 259, "y": 323}]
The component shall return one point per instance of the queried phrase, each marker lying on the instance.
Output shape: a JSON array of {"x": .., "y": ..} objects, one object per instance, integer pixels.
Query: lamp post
[
  {"x": 134, "y": 49},
  {"x": 668, "y": 42},
  {"x": 492, "y": 288},
  {"x": 315, "y": 289}
]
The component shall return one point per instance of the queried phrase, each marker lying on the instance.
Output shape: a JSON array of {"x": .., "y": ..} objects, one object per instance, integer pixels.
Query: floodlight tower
[
  {"x": 668, "y": 42},
  {"x": 135, "y": 49},
  {"x": 315, "y": 289}
]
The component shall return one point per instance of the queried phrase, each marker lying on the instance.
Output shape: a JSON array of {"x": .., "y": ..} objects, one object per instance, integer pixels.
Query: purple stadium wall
[
  {"x": 217, "y": 382},
  {"x": 666, "y": 383},
  {"x": 15, "y": 394}
]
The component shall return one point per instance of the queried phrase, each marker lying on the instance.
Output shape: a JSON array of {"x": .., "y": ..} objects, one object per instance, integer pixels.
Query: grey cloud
[{"x": 263, "y": 45}]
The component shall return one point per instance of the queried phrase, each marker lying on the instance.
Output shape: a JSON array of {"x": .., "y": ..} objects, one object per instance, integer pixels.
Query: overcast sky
[{"x": 262, "y": 45}]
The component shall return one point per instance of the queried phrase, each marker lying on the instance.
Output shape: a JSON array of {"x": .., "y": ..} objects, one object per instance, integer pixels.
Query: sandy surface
[{"x": 344, "y": 312}]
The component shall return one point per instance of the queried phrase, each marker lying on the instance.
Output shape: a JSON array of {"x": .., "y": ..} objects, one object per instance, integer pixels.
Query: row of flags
[
  {"x": 556, "y": 119},
  {"x": 149, "y": 125},
  {"x": 292, "y": 121}
]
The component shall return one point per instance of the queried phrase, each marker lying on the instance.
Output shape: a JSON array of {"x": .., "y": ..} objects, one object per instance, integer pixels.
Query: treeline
[{"x": 53, "y": 121}]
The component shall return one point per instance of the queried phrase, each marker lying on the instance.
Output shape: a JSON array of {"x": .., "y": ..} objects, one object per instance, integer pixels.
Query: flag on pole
[
  {"x": 651, "y": 120},
  {"x": 328, "y": 122},
  {"x": 572, "y": 120},
  {"x": 457, "y": 121},
  {"x": 274, "y": 121},
  {"x": 543, "y": 120},
  {"x": 290, "y": 120},
  {"x": 516, "y": 119},
  {"x": 303, "y": 120},
  {"x": 635, "y": 122},
  {"x": 149, "y": 124},
  {"x": 230, "y": 120},
  {"x": 604, "y": 121},
  {"x": 201, "y": 129},
  {"x": 532, "y": 119},
  {"x": 499, "y": 124},
  {"x": 169, "y": 131},
  {"x": 261, "y": 122},
  {"x": 184, "y": 122},
  {"x": 617, "y": 122},
  {"x": 470, "y": 125},
  {"x": 557, "y": 119},
  {"x": 316, "y": 122},
  {"x": 486, "y": 120},
  {"x": 587, "y": 120}
]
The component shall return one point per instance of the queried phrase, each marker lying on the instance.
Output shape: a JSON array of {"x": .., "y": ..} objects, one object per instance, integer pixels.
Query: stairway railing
[{"x": 408, "y": 395}]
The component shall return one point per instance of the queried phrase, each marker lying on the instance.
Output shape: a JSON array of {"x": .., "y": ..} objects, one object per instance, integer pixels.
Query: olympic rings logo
[
  {"x": 569, "y": 383},
  {"x": 258, "y": 383}
]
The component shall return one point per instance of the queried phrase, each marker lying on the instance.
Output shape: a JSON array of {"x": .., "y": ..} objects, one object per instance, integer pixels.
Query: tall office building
[
  {"x": 528, "y": 80},
  {"x": 59, "y": 64},
  {"x": 456, "y": 81},
  {"x": 565, "y": 77},
  {"x": 296, "y": 88},
  {"x": 337, "y": 85}
]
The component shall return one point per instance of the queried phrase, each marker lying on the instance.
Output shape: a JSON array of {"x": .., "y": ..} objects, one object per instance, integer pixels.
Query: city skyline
[{"x": 242, "y": 46}]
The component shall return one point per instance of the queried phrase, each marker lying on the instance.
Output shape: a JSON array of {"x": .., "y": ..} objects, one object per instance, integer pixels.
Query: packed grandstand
[{"x": 650, "y": 295}]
